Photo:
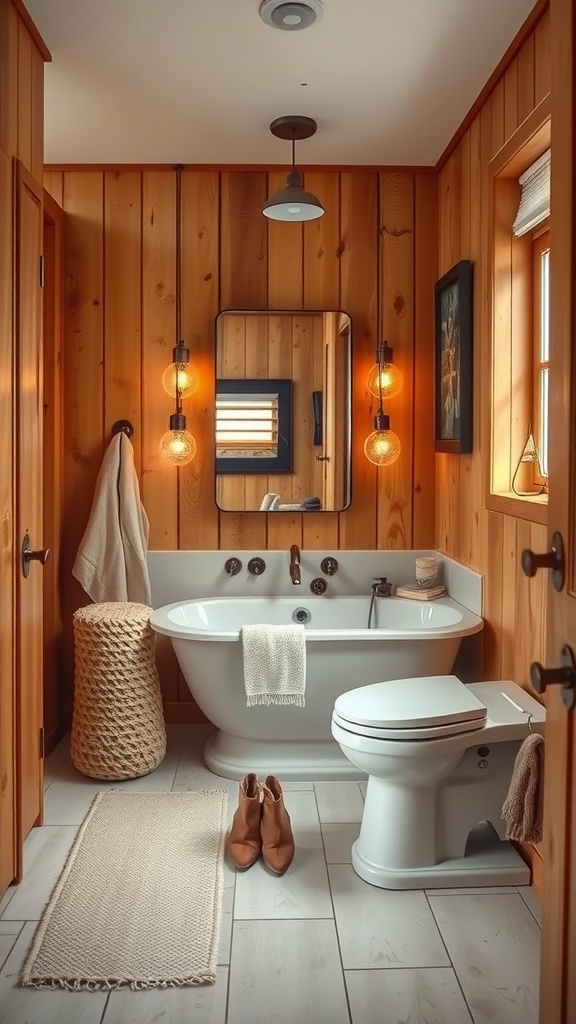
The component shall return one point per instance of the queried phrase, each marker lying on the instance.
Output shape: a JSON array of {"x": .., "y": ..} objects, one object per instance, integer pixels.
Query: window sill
[{"x": 534, "y": 509}]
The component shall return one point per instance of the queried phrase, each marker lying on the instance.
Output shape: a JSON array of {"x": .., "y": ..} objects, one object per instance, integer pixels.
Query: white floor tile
[
  {"x": 381, "y": 928},
  {"x": 286, "y": 972},
  {"x": 493, "y": 942},
  {"x": 339, "y": 801},
  {"x": 8, "y": 895},
  {"x": 45, "y": 854},
  {"x": 55, "y": 760},
  {"x": 532, "y": 901},
  {"x": 9, "y": 932},
  {"x": 426, "y": 996},
  {"x": 42, "y": 1006},
  {"x": 476, "y": 890},
  {"x": 338, "y": 840},
  {"x": 201, "y": 1004}
]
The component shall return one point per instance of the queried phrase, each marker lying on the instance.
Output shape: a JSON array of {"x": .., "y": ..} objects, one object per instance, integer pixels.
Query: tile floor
[{"x": 316, "y": 946}]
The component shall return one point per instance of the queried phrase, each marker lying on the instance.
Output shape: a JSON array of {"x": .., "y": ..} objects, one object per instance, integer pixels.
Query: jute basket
[{"x": 118, "y": 729}]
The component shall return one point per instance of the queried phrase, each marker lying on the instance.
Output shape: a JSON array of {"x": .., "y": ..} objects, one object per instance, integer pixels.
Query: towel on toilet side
[
  {"x": 274, "y": 664},
  {"x": 522, "y": 808}
]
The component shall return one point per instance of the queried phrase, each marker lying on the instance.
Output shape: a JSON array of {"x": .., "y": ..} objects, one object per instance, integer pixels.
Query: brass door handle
[
  {"x": 28, "y": 555},
  {"x": 553, "y": 559},
  {"x": 564, "y": 675}
]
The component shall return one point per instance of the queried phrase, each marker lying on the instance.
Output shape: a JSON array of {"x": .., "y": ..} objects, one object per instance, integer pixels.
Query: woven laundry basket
[{"x": 118, "y": 729}]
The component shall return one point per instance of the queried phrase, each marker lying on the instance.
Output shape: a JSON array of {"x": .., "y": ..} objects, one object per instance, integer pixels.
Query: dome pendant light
[
  {"x": 293, "y": 202},
  {"x": 177, "y": 444}
]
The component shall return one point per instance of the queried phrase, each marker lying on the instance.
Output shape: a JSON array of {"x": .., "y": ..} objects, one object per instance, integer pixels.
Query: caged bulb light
[
  {"x": 385, "y": 379},
  {"x": 382, "y": 447},
  {"x": 179, "y": 378},
  {"x": 178, "y": 445}
]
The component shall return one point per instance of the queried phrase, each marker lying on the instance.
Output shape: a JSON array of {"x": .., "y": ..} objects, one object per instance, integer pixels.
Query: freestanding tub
[{"x": 407, "y": 638}]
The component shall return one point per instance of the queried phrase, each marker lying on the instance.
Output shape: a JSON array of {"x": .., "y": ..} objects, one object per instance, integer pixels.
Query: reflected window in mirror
[{"x": 309, "y": 353}]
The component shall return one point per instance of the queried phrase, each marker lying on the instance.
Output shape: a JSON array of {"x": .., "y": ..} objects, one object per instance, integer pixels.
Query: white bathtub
[{"x": 408, "y": 638}]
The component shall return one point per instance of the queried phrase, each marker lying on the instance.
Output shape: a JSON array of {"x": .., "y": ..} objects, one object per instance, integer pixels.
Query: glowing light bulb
[
  {"x": 382, "y": 447},
  {"x": 385, "y": 379},
  {"x": 181, "y": 379},
  {"x": 177, "y": 445}
]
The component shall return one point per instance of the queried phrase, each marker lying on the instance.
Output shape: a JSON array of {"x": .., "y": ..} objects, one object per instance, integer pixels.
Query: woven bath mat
[{"x": 138, "y": 903}]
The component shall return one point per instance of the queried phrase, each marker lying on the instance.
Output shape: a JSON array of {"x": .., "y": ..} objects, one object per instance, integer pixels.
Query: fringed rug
[{"x": 139, "y": 901}]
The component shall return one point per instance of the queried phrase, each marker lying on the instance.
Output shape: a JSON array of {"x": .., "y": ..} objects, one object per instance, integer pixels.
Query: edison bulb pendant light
[
  {"x": 385, "y": 379},
  {"x": 179, "y": 378},
  {"x": 382, "y": 447},
  {"x": 178, "y": 445}
]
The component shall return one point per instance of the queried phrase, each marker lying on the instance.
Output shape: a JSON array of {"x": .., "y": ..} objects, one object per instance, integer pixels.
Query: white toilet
[{"x": 439, "y": 756}]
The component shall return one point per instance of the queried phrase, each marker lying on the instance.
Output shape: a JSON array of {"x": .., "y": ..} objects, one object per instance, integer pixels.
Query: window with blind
[{"x": 253, "y": 426}]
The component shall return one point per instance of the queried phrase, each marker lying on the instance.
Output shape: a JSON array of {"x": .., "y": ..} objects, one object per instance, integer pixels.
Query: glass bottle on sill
[{"x": 528, "y": 480}]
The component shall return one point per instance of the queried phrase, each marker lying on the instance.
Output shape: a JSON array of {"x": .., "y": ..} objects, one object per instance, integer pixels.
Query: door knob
[
  {"x": 564, "y": 675},
  {"x": 553, "y": 559},
  {"x": 28, "y": 555}
]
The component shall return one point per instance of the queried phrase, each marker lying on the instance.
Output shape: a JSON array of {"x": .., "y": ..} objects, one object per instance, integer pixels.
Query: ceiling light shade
[
  {"x": 293, "y": 202},
  {"x": 290, "y": 15}
]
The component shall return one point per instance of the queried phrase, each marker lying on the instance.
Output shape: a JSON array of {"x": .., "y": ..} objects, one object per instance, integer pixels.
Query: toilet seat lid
[{"x": 415, "y": 703}]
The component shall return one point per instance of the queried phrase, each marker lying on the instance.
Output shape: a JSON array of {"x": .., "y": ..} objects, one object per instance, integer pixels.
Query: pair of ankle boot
[{"x": 261, "y": 826}]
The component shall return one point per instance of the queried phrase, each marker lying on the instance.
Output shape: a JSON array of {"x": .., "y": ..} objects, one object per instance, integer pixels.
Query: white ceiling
[{"x": 198, "y": 81}]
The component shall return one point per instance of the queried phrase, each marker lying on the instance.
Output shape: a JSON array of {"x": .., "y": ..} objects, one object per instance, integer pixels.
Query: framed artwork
[{"x": 453, "y": 360}]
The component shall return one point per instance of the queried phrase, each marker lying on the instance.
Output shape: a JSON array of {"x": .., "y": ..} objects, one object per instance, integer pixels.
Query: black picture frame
[
  {"x": 282, "y": 462},
  {"x": 453, "y": 360}
]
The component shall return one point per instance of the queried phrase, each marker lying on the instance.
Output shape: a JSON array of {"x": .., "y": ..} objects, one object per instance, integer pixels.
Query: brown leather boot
[
  {"x": 244, "y": 843},
  {"x": 277, "y": 837}
]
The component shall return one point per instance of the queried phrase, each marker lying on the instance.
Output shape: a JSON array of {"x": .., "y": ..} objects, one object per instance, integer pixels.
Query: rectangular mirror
[{"x": 282, "y": 418}]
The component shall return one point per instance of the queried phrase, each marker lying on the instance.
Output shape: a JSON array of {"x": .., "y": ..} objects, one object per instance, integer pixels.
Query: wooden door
[
  {"x": 558, "y": 974},
  {"x": 7, "y": 695},
  {"x": 29, "y": 389}
]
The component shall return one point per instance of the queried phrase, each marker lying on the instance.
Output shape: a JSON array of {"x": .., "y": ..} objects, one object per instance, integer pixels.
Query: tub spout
[{"x": 295, "y": 565}]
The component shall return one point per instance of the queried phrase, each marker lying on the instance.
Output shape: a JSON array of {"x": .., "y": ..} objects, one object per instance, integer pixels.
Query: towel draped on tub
[{"x": 274, "y": 664}]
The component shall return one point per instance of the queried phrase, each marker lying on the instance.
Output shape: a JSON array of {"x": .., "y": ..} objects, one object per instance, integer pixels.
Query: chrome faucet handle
[
  {"x": 232, "y": 566},
  {"x": 381, "y": 587}
]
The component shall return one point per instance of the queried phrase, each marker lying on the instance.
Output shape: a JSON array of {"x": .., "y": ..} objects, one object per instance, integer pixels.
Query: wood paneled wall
[
  {"x": 515, "y": 607},
  {"x": 120, "y": 330}
]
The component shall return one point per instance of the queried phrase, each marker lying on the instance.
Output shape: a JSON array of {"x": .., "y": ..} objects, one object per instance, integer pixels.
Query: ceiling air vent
[{"x": 291, "y": 16}]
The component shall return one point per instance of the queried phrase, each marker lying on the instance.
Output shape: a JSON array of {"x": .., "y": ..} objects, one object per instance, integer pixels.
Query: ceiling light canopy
[
  {"x": 293, "y": 202},
  {"x": 291, "y": 16}
]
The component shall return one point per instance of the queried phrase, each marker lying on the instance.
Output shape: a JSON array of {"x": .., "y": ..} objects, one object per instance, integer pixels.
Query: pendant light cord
[
  {"x": 178, "y": 168},
  {"x": 378, "y": 303}
]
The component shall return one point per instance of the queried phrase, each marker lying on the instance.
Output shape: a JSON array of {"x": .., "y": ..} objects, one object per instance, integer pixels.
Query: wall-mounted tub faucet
[
  {"x": 380, "y": 588},
  {"x": 295, "y": 575},
  {"x": 256, "y": 566},
  {"x": 232, "y": 566},
  {"x": 329, "y": 566}
]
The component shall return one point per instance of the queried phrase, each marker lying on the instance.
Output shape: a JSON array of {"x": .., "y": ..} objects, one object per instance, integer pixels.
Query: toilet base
[{"x": 488, "y": 861}]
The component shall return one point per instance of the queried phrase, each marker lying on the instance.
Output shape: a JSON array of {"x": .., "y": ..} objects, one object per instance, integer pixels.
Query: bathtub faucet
[{"x": 295, "y": 565}]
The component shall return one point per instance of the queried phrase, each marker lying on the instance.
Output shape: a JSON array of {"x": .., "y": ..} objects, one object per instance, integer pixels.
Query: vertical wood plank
[
  {"x": 497, "y": 117},
  {"x": 54, "y": 184},
  {"x": 526, "y": 79},
  {"x": 425, "y": 274},
  {"x": 358, "y": 283},
  {"x": 8, "y": 78},
  {"x": 511, "y": 99},
  {"x": 542, "y": 58},
  {"x": 83, "y": 373},
  {"x": 493, "y": 598},
  {"x": 159, "y": 478},
  {"x": 394, "y": 489},
  {"x": 198, "y": 526},
  {"x": 25, "y": 47},
  {"x": 243, "y": 285},
  {"x": 37, "y": 114},
  {"x": 321, "y": 290}
]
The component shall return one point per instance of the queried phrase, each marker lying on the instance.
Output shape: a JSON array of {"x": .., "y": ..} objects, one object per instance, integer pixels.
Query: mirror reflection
[{"x": 282, "y": 419}]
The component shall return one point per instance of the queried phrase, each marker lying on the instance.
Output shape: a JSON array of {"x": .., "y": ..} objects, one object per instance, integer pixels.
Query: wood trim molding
[
  {"x": 529, "y": 141},
  {"x": 533, "y": 510},
  {"x": 36, "y": 37},
  {"x": 529, "y": 25}
]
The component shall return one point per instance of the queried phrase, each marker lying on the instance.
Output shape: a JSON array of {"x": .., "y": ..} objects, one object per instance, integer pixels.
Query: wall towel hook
[{"x": 124, "y": 427}]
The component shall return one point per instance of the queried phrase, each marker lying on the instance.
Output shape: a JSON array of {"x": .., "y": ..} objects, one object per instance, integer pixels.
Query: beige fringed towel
[
  {"x": 522, "y": 808},
  {"x": 111, "y": 561},
  {"x": 274, "y": 664}
]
